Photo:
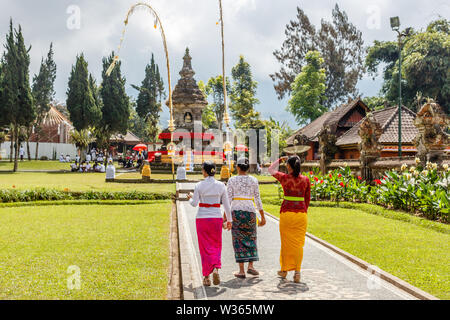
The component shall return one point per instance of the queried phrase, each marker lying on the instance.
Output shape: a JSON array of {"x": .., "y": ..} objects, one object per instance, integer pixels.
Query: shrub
[
  {"x": 43, "y": 194},
  {"x": 423, "y": 191}
]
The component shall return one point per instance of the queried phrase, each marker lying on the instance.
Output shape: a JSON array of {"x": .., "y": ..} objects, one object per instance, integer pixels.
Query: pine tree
[
  {"x": 116, "y": 103},
  {"x": 81, "y": 100},
  {"x": 243, "y": 97},
  {"x": 151, "y": 92},
  {"x": 214, "y": 88},
  {"x": 16, "y": 100},
  {"x": 43, "y": 92}
]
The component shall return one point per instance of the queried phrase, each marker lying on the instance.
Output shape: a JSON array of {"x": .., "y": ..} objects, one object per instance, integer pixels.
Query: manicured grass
[
  {"x": 34, "y": 165},
  {"x": 75, "y": 182},
  {"x": 122, "y": 251},
  {"x": 416, "y": 254}
]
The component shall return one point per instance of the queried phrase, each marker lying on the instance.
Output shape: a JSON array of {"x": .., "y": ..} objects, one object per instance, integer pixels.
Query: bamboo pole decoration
[
  {"x": 226, "y": 117},
  {"x": 228, "y": 146},
  {"x": 166, "y": 52},
  {"x": 145, "y": 6}
]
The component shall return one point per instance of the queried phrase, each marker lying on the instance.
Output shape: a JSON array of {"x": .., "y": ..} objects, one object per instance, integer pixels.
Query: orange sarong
[{"x": 292, "y": 232}]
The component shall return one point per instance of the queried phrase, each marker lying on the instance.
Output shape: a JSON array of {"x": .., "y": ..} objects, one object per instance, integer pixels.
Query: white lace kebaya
[{"x": 244, "y": 187}]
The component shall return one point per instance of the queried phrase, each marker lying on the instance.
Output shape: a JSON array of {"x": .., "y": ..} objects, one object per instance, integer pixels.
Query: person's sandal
[
  {"x": 206, "y": 282},
  {"x": 216, "y": 278},
  {"x": 282, "y": 274},
  {"x": 240, "y": 275},
  {"x": 253, "y": 272},
  {"x": 297, "y": 277}
]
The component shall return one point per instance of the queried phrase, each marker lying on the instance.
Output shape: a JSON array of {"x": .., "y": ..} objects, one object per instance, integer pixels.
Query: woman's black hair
[
  {"x": 294, "y": 162},
  {"x": 210, "y": 168},
  {"x": 243, "y": 164}
]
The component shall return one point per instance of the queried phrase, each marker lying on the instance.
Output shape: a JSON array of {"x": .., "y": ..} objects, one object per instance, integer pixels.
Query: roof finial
[{"x": 187, "y": 71}]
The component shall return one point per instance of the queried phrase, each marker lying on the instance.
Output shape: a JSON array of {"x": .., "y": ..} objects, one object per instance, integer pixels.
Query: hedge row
[{"x": 43, "y": 194}]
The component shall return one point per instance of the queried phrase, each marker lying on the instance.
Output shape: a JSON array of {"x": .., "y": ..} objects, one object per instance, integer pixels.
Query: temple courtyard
[{"x": 123, "y": 244}]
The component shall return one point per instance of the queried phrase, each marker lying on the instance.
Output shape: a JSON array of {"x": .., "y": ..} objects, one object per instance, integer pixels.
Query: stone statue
[
  {"x": 370, "y": 132},
  {"x": 432, "y": 139},
  {"x": 327, "y": 147}
]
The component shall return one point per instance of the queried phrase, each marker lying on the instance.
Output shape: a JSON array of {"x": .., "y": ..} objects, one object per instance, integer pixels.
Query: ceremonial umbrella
[
  {"x": 140, "y": 147},
  {"x": 241, "y": 147},
  {"x": 296, "y": 149}
]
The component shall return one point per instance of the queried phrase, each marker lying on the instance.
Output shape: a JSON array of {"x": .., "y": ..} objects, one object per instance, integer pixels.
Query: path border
[
  {"x": 174, "y": 286},
  {"x": 397, "y": 282}
]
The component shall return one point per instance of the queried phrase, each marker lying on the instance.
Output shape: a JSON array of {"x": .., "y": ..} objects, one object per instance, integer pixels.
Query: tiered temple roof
[
  {"x": 340, "y": 118},
  {"x": 388, "y": 120}
]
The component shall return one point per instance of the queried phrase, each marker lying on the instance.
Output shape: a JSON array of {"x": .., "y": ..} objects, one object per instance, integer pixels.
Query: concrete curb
[
  {"x": 397, "y": 282},
  {"x": 175, "y": 282}
]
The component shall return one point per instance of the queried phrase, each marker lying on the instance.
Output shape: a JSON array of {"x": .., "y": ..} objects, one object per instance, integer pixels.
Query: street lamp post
[{"x": 395, "y": 25}]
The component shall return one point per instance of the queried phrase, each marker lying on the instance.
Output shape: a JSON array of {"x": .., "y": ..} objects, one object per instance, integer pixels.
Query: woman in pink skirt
[{"x": 208, "y": 196}]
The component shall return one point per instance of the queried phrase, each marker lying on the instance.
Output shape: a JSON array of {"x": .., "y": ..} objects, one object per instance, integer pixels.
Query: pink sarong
[{"x": 209, "y": 233}]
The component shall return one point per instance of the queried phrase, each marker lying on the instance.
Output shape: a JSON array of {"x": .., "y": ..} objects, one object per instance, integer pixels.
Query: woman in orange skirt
[{"x": 293, "y": 214}]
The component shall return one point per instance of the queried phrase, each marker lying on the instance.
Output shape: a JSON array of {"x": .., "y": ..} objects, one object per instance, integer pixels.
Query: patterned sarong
[{"x": 243, "y": 234}]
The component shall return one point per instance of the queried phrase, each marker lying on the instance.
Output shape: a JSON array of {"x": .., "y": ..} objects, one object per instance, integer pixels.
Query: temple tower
[{"x": 187, "y": 99}]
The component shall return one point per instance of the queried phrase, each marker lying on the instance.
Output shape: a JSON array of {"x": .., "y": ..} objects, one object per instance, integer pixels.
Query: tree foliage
[
  {"x": 214, "y": 89},
  {"x": 425, "y": 65},
  {"x": 208, "y": 116},
  {"x": 243, "y": 97},
  {"x": 82, "y": 102},
  {"x": 339, "y": 42},
  {"x": 149, "y": 101},
  {"x": 16, "y": 101},
  {"x": 43, "y": 92},
  {"x": 115, "y": 102},
  {"x": 308, "y": 90}
]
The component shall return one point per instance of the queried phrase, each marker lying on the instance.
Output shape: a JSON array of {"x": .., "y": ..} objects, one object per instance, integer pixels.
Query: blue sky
[{"x": 253, "y": 28}]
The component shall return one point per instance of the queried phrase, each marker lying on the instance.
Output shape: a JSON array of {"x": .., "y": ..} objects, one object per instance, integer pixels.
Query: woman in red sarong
[{"x": 209, "y": 194}]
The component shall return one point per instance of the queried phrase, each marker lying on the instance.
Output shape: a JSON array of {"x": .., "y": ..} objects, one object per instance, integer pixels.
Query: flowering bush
[{"x": 418, "y": 190}]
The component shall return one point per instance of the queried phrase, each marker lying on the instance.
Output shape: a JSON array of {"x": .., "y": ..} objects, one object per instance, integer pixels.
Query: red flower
[
  {"x": 317, "y": 179},
  {"x": 311, "y": 173},
  {"x": 321, "y": 181},
  {"x": 340, "y": 175},
  {"x": 331, "y": 176},
  {"x": 341, "y": 184},
  {"x": 378, "y": 181},
  {"x": 359, "y": 178}
]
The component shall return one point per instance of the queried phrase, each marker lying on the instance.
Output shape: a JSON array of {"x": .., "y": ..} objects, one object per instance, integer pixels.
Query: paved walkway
[{"x": 325, "y": 274}]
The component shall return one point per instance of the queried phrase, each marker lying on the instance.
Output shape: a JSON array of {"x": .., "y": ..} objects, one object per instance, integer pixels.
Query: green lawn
[
  {"x": 418, "y": 255},
  {"x": 75, "y": 182},
  {"x": 122, "y": 251},
  {"x": 34, "y": 165}
]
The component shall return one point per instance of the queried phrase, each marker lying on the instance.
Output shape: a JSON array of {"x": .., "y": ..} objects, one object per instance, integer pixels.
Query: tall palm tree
[{"x": 81, "y": 139}]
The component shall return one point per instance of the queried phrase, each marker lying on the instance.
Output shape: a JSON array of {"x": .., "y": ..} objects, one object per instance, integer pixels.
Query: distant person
[
  {"x": 77, "y": 158},
  {"x": 67, "y": 158},
  {"x": 88, "y": 167},
  {"x": 83, "y": 167},
  {"x": 21, "y": 153},
  {"x": 110, "y": 171},
  {"x": 93, "y": 154},
  {"x": 74, "y": 167},
  {"x": 88, "y": 157},
  {"x": 258, "y": 168},
  {"x": 102, "y": 168}
]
